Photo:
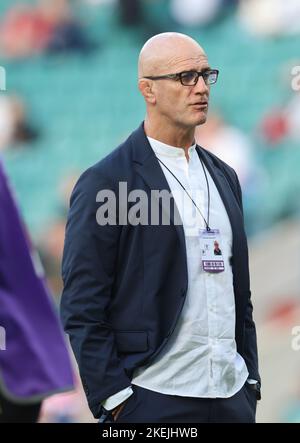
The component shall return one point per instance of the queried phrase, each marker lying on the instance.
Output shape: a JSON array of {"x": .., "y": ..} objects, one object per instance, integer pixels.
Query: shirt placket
[
  {"x": 201, "y": 201},
  {"x": 212, "y": 329},
  {"x": 211, "y": 304}
]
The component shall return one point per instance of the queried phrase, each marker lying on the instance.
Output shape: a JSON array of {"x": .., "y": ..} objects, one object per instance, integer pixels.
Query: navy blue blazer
[{"x": 125, "y": 285}]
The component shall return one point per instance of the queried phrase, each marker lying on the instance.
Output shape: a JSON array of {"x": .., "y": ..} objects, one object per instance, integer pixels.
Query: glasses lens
[
  {"x": 189, "y": 78},
  {"x": 210, "y": 77}
]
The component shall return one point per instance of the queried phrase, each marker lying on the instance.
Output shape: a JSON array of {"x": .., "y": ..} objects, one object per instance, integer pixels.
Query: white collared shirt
[{"x": 200, "y": 358}]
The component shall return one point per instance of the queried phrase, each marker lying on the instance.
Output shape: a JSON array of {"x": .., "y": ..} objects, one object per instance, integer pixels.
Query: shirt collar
[{"x": 165, "y": 150}]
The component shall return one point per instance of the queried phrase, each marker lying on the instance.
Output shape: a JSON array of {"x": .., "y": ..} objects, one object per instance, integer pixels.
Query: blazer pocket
[{"x": 131, "y": 341}]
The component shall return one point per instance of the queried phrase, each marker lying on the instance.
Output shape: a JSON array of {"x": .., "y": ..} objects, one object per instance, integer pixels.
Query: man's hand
[{"x": 116, "y": 411}]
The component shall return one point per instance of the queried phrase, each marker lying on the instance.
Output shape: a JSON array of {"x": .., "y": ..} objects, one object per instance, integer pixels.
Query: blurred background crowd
[{"x": 71, "y": 97}]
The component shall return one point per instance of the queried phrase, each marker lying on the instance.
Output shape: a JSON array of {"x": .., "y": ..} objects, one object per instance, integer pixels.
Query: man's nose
[{"x": 201, "y": 86}]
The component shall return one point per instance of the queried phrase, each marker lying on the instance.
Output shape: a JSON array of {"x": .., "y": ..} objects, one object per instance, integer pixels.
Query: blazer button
[{"x": 182, "y": 292}]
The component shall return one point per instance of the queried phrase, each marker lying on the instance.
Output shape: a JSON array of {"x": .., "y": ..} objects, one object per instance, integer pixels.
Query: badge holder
[{"x": 211, "y": 252}]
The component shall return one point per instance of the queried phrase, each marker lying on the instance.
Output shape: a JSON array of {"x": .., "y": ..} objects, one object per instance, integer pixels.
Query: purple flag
[{"x": 34, "y": 361}]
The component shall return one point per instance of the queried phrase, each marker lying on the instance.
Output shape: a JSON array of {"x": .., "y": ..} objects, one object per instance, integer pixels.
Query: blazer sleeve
[
  {"x": 250, "y": 338},
  {"x": 88, "y": 271}
]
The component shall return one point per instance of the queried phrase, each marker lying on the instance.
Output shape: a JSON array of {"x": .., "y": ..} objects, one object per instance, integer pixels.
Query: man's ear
[{"x": 146, "y": 88}]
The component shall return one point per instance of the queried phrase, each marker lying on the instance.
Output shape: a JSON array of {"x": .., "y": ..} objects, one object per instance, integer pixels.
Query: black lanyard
[{"x": 208, "y": 192}]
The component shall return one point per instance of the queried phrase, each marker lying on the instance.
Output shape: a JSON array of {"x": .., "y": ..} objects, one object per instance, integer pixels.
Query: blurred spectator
[
  {"x": 65, "y": 189},
  {"x": 67, "y": 34},
  {"x": 48, "y": 26},
  {"x": 282, "y": 122},
  {"x": 270, "y": 17},
  {"x": 131, "y": 12},
  {"x": 52, "y": 240},
  {"x": 14, "y": 127},
  {"x": 24, "y": 31},
  {"x": 229, "y": 144},
  {"x": 50, "y": 249},
  {"x": 195, "y": 12},
  {"x": 274, "y": 126}
]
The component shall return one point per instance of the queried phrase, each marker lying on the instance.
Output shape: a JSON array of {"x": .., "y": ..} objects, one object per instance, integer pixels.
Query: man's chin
[
  {"x": 198, "y": 120},
  {"x": 201, "y": 119}
]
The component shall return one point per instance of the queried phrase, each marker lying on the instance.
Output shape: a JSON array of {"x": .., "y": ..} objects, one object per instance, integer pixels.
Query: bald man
[{"x": 161, "y": 327}]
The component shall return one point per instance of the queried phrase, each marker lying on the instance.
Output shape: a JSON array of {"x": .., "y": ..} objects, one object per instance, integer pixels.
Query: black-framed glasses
[{"x": 190, "y": 78}]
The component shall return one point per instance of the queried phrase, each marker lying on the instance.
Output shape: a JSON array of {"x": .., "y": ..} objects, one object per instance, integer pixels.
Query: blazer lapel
[
  {"x": 148, "y": 167},
  {"x": 225, "y": 191},
  {"x": 234, "y": 213}
]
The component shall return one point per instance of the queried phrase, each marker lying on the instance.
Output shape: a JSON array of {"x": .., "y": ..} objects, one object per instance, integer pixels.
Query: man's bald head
[
  {"x": 163, "y": 50},
  {"x": 169, "y": 103}
]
